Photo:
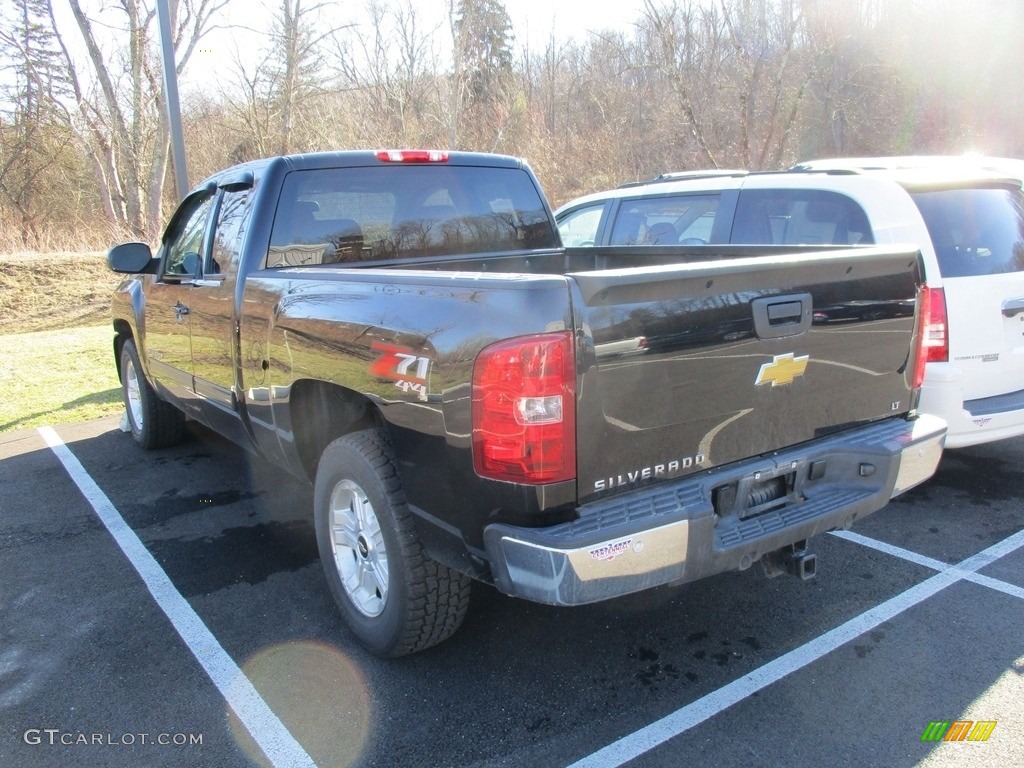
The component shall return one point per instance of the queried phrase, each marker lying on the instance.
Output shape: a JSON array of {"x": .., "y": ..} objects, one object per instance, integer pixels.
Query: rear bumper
[
  {"x": 970, "y": 422},
  {"x": 671, "y": 533}
]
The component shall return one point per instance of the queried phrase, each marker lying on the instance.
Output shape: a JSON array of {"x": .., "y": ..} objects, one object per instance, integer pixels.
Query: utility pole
[{"x": 171, "y": 97}]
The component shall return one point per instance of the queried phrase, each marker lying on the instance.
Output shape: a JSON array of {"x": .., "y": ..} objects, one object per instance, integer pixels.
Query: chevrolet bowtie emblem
[{"x": 782, "y": 370}]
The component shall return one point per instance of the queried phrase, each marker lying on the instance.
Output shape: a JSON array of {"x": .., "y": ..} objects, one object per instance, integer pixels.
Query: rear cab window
[
  {"x": 373, "y": 214},
  {"x": 975, "y": 231}
]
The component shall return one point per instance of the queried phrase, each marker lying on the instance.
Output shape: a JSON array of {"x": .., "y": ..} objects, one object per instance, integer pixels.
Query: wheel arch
[
  {"x": 321, "y": 412},
  {"x": 122, "y": 333}
]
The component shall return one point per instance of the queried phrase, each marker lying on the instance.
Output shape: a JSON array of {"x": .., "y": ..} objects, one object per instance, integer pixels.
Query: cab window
[
  {"x": 580, "y": 226},
  {"x": 665, "y": 220},
  {"x": 372, "y": 214},
  {"x": 185, "y": 238},
  {"x": 232, "y": 217},
  {"x": 799, "y": 217}
]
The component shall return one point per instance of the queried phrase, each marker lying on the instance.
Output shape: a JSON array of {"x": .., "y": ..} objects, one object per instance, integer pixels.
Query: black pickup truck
[{"x": 471, "y": 400}]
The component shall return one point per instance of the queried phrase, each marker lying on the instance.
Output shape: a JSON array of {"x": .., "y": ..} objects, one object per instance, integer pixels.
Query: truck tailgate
[{"x": 690, "y": 366}]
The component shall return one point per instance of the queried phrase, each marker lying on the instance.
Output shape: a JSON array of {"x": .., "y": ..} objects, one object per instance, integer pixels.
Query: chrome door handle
[{"x": 1012, "y": 307}]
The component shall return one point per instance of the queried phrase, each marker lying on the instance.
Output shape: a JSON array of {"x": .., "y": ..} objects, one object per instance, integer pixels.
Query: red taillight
[
  {"x": 524, "y": 410},
  {"x": 412, "y": 156},
  {"x": 933, "y": 340}
]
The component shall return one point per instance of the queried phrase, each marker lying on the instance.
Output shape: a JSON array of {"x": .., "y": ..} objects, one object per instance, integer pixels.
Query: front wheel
[
  {"x": 393, "y": 596},
  {"x": 154, "y": 423}
]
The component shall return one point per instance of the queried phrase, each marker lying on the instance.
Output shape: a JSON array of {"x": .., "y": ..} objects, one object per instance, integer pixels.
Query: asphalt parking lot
[{"x": 168, "y": 609}]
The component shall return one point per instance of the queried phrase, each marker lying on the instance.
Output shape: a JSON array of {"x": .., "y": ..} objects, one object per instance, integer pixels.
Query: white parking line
[
  {"x": 277, "y": 743},
  {"x": 928, "y": 562},
  {"x": 635, "y": 744}
]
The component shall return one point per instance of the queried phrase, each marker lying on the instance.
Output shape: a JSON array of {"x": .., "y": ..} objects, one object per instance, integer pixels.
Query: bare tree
[
  {"x": 122, "y": 121},
  {"x": 764, "y": 34},
  {"x": 276, "y": 100},
  {"x": 739, "y": 72},
  {"x": 249, "y": 110},
  {"x": 34, "y": 137},
  {"x": 857, "y": 99},
  {"x": 390, "y": 68},
  {"x": 756, "y": 83},
  {"x": 686, "y": 44},
  {"x": 297, "y": 36}
]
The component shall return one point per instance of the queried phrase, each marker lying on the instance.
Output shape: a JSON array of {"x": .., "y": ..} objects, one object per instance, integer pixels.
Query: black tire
[
  {"x": 154, "y": 423},
  {"x": 393, "y": 596}
]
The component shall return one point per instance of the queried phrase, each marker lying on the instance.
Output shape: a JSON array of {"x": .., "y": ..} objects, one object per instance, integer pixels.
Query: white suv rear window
[{"x": 975, "y": 231}]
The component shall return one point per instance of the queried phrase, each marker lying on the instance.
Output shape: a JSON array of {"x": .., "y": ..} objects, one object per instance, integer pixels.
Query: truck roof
[{"x": 365, "y": 157}]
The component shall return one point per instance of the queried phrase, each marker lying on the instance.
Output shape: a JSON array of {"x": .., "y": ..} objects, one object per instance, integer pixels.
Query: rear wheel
[
  {"x": 154, "y": 423},
  {"x": 394, "y": 598}
]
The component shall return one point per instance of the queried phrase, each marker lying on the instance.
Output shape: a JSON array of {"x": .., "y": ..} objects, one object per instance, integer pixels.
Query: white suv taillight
[
  {"x": 933, "y": 340},
  {"x": 524, "y": 410}
]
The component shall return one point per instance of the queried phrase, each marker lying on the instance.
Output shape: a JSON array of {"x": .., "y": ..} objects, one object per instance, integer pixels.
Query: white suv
[{"x": 965, "y": 214}]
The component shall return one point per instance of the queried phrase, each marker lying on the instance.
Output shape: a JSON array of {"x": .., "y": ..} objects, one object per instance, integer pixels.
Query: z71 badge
[{"x": 400, "y": 364}]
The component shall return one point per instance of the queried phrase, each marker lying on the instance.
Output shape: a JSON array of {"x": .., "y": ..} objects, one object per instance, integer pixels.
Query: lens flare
[{"x": 320, "y": 696}]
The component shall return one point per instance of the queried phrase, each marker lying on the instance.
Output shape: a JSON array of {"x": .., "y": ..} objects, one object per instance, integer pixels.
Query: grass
[
  {"x": 44, "y": 291},
  {"x": 55, "y": 340},
  {"x": 58, "y": 377}
]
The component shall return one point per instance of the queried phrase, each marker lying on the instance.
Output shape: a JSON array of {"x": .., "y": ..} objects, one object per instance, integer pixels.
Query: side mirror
[{"x": 131, "y": 258}]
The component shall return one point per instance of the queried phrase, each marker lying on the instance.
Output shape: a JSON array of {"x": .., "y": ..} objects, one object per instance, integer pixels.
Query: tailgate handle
[
  {"x": 778, "y": 316},
  {"x": 1012, "y": 307},
  {"x": 787, "y": 312}
]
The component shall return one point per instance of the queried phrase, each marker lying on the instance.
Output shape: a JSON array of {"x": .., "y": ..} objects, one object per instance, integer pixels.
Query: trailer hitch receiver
[{"x": 794, "y": 559}]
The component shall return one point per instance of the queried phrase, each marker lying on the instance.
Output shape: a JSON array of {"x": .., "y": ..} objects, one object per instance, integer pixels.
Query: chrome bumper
[{"x": 671, "y": 532}]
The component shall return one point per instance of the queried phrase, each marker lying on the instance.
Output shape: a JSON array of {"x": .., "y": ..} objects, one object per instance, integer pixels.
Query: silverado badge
[{"x": 782, "y": 370}]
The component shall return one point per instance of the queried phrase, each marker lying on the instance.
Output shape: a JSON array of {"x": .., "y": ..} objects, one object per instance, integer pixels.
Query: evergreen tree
[
  {"x": 295, "y": 67},
  {"x": 33, "y": 128},
  {"x": 484, "y": 42}
]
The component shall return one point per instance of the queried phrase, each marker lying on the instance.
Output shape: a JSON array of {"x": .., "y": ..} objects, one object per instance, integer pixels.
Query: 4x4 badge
[{"x": 782, "y": 370}]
